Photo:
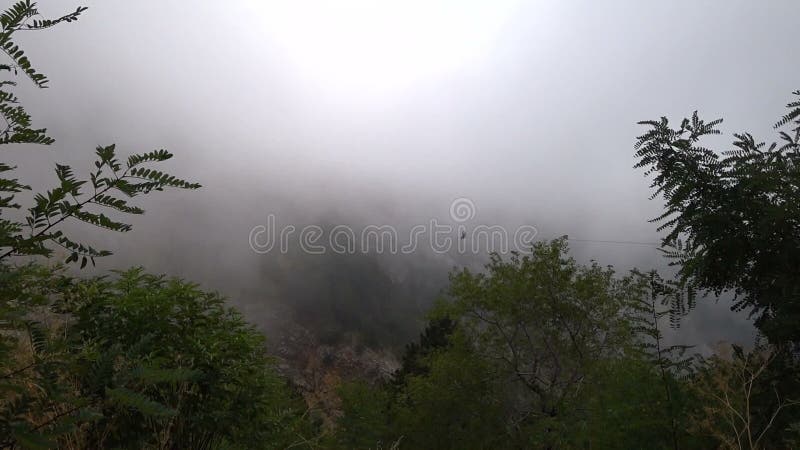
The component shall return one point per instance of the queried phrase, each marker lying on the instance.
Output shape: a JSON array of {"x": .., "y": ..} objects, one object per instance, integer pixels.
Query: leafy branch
[
  {"x": 68, "y": 200},
  {"x": 731, "y": 218},
  {"x": 39, "y": 232}
]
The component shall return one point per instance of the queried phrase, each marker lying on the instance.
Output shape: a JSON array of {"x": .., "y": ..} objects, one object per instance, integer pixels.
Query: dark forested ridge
[{"x": 536, "y": 350}]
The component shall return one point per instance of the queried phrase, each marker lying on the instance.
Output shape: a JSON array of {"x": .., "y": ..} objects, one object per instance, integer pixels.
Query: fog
[{"x": 362, "y": 113}]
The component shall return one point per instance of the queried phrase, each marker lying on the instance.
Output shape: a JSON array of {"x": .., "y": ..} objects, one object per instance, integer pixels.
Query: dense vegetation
[
  {"x": 541, "y": 352},
  {"x": 536, "y": 351}
]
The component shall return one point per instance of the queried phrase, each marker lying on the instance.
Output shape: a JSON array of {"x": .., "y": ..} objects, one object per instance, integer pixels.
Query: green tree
[
  {"x": 37, "y": 403},
  {"x": 436, "y": 336},
  {"x": 626, "y": 408},
  {"x": 733, "y": 225},
  {"x": 443, "y": 396},
  {"x": 545, "y": 322},
  {"x": 539, "y": 351},
  {"x": 659, "y": 299},
  {"x": 732, "y": 220},
  {"x": 365, "y": 421},
  {"x": 730, "y": 388},
  {"x": 458, "y": 402},
  {"x": 137, "y": 361},
  {"x": 172, "y": 366}
]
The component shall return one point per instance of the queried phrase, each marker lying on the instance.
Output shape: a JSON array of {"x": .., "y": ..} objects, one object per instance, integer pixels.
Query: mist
[{"x": 295, "y": 109}]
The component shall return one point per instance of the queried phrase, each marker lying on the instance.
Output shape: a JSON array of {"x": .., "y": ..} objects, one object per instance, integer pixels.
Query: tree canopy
[{"x": 732, "y": 218}]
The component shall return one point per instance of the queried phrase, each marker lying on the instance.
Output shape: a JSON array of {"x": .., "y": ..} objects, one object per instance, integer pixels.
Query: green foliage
[
  {"x": 69, "y": 201},
  {"x": 668, "y": 361},
  {"x": 742, "y": 406},
  {"x": 627, "y": 408},
  {"x": 733, "y": 220},
  {"x": 134, "y": 361},
  {"x": 33, "y": 359},
  {"x": 733, "y": 223},
  {"x": 18, "y": 128},
  {"x": 451, "y": 400},
  {"x": 435, "y": 336},
  {"x": 365, "y": 417},
  {"x": 22, "y": 16},
  {"x": 459, "y": 403},
  {"x": 545, "y": 321},
  {"x": 197, "y": 361},
  {"x": 137, "y": 361},
  {"x": 125, "y": 398},
  {"x": 535, "y": 352},
  {"x": 40, "y": 230}
]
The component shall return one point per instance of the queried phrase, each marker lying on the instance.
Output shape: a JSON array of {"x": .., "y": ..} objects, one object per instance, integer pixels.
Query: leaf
[
  {"x": 37, "y": 336},
  {"x": 155, "y": 155},
  {"x": 118, "y": 204},
  {"x": 155, "y": 375},
  {"x": 126, "y": 397},
  {"x": 32, "y": 440},
  {"x": 102, "y": 221}
]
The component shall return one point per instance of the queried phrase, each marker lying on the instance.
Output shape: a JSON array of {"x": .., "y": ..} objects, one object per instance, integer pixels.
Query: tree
[
  {"x": 729, "y": 389},
  {"x": 647, "y": 312},
  {"x": 733, "y": 225},
  {"x": 137, "y": 361},
  {"x": 364, "y": 421},
  {"x": 444, "y": 396},
  {"x": 537, "y": 351},
  {"x": 548, "y": 325},
  {"x": 36, "y": 403},
  {"x": 172, "y": 366},
  {"x": 436, "y": 336},
  {"x": 732, "y": 220},
  {"x": 458, "y": 402},
  {"x": 627, "y": 408}
]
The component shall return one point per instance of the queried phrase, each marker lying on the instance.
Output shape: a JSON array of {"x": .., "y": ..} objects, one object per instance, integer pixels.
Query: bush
[{"x": 138, "y": 361}]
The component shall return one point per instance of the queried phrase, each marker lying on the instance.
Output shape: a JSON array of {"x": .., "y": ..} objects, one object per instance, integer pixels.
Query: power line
[{"x": 600, "y": 241}]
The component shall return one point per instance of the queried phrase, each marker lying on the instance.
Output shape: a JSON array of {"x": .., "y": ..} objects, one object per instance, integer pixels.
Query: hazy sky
[{"x": 383, "y": 112}]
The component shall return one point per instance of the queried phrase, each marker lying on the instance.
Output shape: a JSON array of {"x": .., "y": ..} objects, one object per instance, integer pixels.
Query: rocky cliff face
[{"x": 318, "y": 369}]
